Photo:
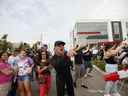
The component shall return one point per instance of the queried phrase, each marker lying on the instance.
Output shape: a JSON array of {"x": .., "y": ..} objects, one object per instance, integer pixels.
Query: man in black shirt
[
  {"x": 87, "y": 57},
  {"x": 78, "y": 62},
  {"x": 62, "y": 64}
]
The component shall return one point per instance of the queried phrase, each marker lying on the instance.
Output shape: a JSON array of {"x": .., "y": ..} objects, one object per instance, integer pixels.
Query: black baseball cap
[
  {"x": 45, "y": 45},
  {"x": 57, "y": 43}
]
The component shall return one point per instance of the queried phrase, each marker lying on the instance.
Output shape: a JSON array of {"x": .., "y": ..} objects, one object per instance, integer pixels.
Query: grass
[{"x": 99, "y": 63}]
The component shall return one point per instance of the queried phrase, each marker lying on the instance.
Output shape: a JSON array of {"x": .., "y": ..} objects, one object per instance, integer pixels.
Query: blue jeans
[
  {"x": 13, "y": 89},
  {"x": 12, "y": 92}
]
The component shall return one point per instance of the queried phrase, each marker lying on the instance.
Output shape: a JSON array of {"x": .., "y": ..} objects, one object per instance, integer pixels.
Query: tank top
[
  {"x": 111, "y": 60},
  {"x": 45, "y": 62}
]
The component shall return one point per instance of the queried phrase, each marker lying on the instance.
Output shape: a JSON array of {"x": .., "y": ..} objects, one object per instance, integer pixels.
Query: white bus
[{"x": 94, "y": 31}]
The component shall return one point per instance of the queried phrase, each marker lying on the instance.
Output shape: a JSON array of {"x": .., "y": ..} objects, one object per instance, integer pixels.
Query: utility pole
[{"x": 41, "y": 39}]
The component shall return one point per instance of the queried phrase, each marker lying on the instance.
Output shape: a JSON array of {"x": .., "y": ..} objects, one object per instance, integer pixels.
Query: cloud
[{"x": 25, "y": 20}]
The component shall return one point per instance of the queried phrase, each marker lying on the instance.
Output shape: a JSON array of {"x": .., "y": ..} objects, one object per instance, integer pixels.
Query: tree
[
  {"x": 4, "y": 44},
  {"x": 4, "y": 37},
  {"x": 24, "y": 46}
]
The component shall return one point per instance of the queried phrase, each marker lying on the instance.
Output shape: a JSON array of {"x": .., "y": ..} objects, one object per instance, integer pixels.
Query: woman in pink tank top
[{"x": 6, "y": 74}]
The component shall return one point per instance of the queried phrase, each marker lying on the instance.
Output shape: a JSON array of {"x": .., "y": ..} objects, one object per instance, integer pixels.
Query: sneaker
[
  {"x": 107, "y": 95},
  {"x": 84, "y": 86},
  {"x": 90, "y": 75},
  {"x": 85, "y": 76},
  {"x": 116, "y": 94}
]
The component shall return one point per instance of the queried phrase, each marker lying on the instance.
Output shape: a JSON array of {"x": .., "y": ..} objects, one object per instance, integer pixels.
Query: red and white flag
[{"x": 122, "y": 74}]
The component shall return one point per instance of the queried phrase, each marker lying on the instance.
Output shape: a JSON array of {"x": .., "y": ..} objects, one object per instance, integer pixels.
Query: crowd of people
[{"x": 21, "y": 67}]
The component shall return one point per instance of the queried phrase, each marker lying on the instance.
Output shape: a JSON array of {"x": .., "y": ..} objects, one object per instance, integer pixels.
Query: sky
[{"x": 26, "y": 20}]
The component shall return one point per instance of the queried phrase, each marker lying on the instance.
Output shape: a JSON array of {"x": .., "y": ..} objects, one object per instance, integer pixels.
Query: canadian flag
[{"x": 122, "y": 74}]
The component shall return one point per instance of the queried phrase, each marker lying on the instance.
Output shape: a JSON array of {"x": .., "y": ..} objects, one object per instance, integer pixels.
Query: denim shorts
[
  {"x": 24, "y": 78},
  {"x": 109, "y": 68}
]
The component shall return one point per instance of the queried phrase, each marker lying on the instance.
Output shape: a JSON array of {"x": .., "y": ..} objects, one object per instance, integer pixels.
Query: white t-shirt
[
  {"x": 94, "y": 51},
  {"x": 24, "y": 66}
]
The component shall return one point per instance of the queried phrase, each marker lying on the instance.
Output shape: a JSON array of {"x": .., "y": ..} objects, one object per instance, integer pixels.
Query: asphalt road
[{"x": 95, "y": 86}]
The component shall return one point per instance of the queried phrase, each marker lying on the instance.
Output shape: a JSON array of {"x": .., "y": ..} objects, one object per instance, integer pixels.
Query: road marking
[
  {"x": 95, "y": 91},
  {"x": 98, "y": 69}
]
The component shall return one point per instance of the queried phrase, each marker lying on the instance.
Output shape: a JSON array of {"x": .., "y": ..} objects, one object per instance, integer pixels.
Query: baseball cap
[
  {"x": 57, "y": 43},
  {"x": 45, "y": 45}
]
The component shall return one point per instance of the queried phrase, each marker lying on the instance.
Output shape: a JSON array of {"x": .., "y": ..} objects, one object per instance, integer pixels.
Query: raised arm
[{"x": 113, "y": 51}]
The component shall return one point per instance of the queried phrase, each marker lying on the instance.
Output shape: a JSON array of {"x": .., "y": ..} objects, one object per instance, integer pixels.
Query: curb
[{"x": 98, "y": 69}]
